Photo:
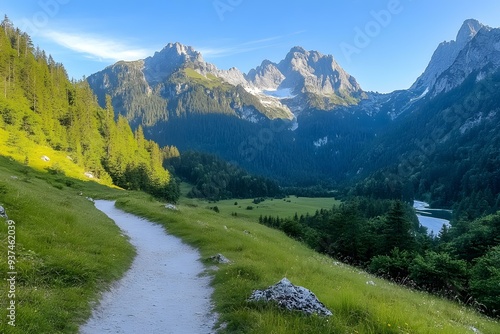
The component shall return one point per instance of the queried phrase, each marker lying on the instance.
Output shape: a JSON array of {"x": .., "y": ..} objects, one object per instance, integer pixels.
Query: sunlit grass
[
  {"x": 66, "y": 250},
  {"x": 262, "y": 256},
  {"x": 30, "y": 154}
]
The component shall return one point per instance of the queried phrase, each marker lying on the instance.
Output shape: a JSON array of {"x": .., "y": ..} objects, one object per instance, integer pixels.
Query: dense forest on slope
[
  {"x": 384, "y": 237},
  {"x": 270, "y": 149},
  {"x": 216, "y": 179},
  {"x": 445, "y": 152},
  {"x": 40, "y": 104}
]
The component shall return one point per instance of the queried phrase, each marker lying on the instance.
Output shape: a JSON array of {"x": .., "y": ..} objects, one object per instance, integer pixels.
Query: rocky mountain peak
[
  {"x": 298, "y": 55},
  {"x": 297, "y": 49},
  {"x": 177, "y": 51},
  {"x": 468, "y": 30},
  {"x": 446, "y": 54},
  {"x": 479, "y": 57},
  {"x": 303, "y": 79},
  {"x": 267, "y": 76},
  {"x": 173, "y": 56},
  {"x": 313, "y": 72},
  {"x": 266, "y": 62}
]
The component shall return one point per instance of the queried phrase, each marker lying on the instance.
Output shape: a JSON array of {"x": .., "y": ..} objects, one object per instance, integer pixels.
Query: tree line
[
  {"x": 40, "y": 103},
  {"x": 216, "y": 179},
  {"x": 385, "y": 238},
  {"x": 446, "y": 152}
]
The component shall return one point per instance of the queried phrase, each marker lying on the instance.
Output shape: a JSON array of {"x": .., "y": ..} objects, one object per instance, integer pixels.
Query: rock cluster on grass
[
  {"x": 291, "y": 297},
  {"x": 2, "y": 212},
  {"x": 170, "y": 206},
  {"x": 219, "y": 258}
]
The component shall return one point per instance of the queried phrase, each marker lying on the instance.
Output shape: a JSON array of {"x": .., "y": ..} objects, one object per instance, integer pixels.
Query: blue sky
[{"x": 384, "y": 44}]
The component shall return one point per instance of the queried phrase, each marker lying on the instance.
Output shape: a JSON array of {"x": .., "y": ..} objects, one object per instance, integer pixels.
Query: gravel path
[{"x": 162, "y": 292}]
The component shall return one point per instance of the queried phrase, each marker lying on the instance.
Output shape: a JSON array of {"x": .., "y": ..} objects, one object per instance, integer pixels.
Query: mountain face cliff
[
  {"x": 306, "y": 79},
  {"x": 475, "y": 50},
  {"x": 177, "y": 81}
]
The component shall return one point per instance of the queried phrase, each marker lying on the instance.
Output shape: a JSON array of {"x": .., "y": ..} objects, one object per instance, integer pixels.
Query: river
[
  {"x": 433, "y": 219},
  {"x": 164, "y": 291}
]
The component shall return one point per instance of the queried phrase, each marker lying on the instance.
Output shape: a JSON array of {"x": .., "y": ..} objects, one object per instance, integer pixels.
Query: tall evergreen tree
[{"x": 398, "y": 230}]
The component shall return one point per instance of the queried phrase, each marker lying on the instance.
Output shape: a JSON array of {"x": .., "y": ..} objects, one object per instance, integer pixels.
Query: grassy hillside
[
  {"x": 262, "y": 256},
  {"x": 30, "y": 153},
  {"x": 67, "y": 252}
]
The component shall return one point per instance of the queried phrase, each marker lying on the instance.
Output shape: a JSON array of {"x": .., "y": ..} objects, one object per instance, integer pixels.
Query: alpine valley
[
  {"x": 305, "y": 119},
  {"x": 290, "y": 170}
]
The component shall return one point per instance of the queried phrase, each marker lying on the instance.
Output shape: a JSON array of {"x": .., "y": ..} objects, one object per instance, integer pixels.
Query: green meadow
[
  {"x": 67, "y": 253},
  {"x": 245, "y": 208}
]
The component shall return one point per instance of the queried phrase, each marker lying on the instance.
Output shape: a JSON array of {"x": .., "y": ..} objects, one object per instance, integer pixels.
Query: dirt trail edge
[{"x": 162, "y": 292}]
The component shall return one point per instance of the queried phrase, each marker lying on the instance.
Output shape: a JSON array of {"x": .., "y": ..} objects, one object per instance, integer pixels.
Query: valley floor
[{"x": 69, "y": 253}]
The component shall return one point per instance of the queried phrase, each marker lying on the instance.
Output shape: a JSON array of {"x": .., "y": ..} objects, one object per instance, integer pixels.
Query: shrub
[
  {"x": 394, "y": 266},
  {"x": 258, "y": 200},
  {"x": 439, "y": 272},
  {"x": 485, "y": 281}
]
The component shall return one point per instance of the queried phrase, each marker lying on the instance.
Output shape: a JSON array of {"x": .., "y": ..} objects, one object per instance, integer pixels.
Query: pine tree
[{"x": 397, "y": 233}]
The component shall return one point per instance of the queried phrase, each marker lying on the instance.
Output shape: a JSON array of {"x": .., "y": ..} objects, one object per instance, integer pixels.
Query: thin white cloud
[
  {"x": 97, "y": 47},
  {"x": 249, "y": 46},
  {"x": 229, "y": 51},
  {"x": 263, "y": 40}
]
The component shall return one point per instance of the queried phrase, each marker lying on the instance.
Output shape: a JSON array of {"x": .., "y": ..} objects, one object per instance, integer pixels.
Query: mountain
[
  {"x": 177, "y": 81},
  {"x": 306, "y": 79},
  {"x": 185, "y": 101},
  {"x": 476, "y": 49},
  {"x": 444, "y": 144}
]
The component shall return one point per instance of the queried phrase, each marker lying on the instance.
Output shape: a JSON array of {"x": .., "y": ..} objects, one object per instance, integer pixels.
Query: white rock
[
  {"x": 171, "y": 207},
  {"x": 219, "y": 258},
  {"x": 291, "y": 297}
]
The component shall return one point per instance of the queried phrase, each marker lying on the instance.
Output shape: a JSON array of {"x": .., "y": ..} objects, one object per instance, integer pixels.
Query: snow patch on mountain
[
  {"x": 426, "y": 91},
  {"x": 283, "y": 93},
  {"x": 321, "y": 142},
  {"x": 476, "y": 121},
  {"x": 249, "y": 115}
]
